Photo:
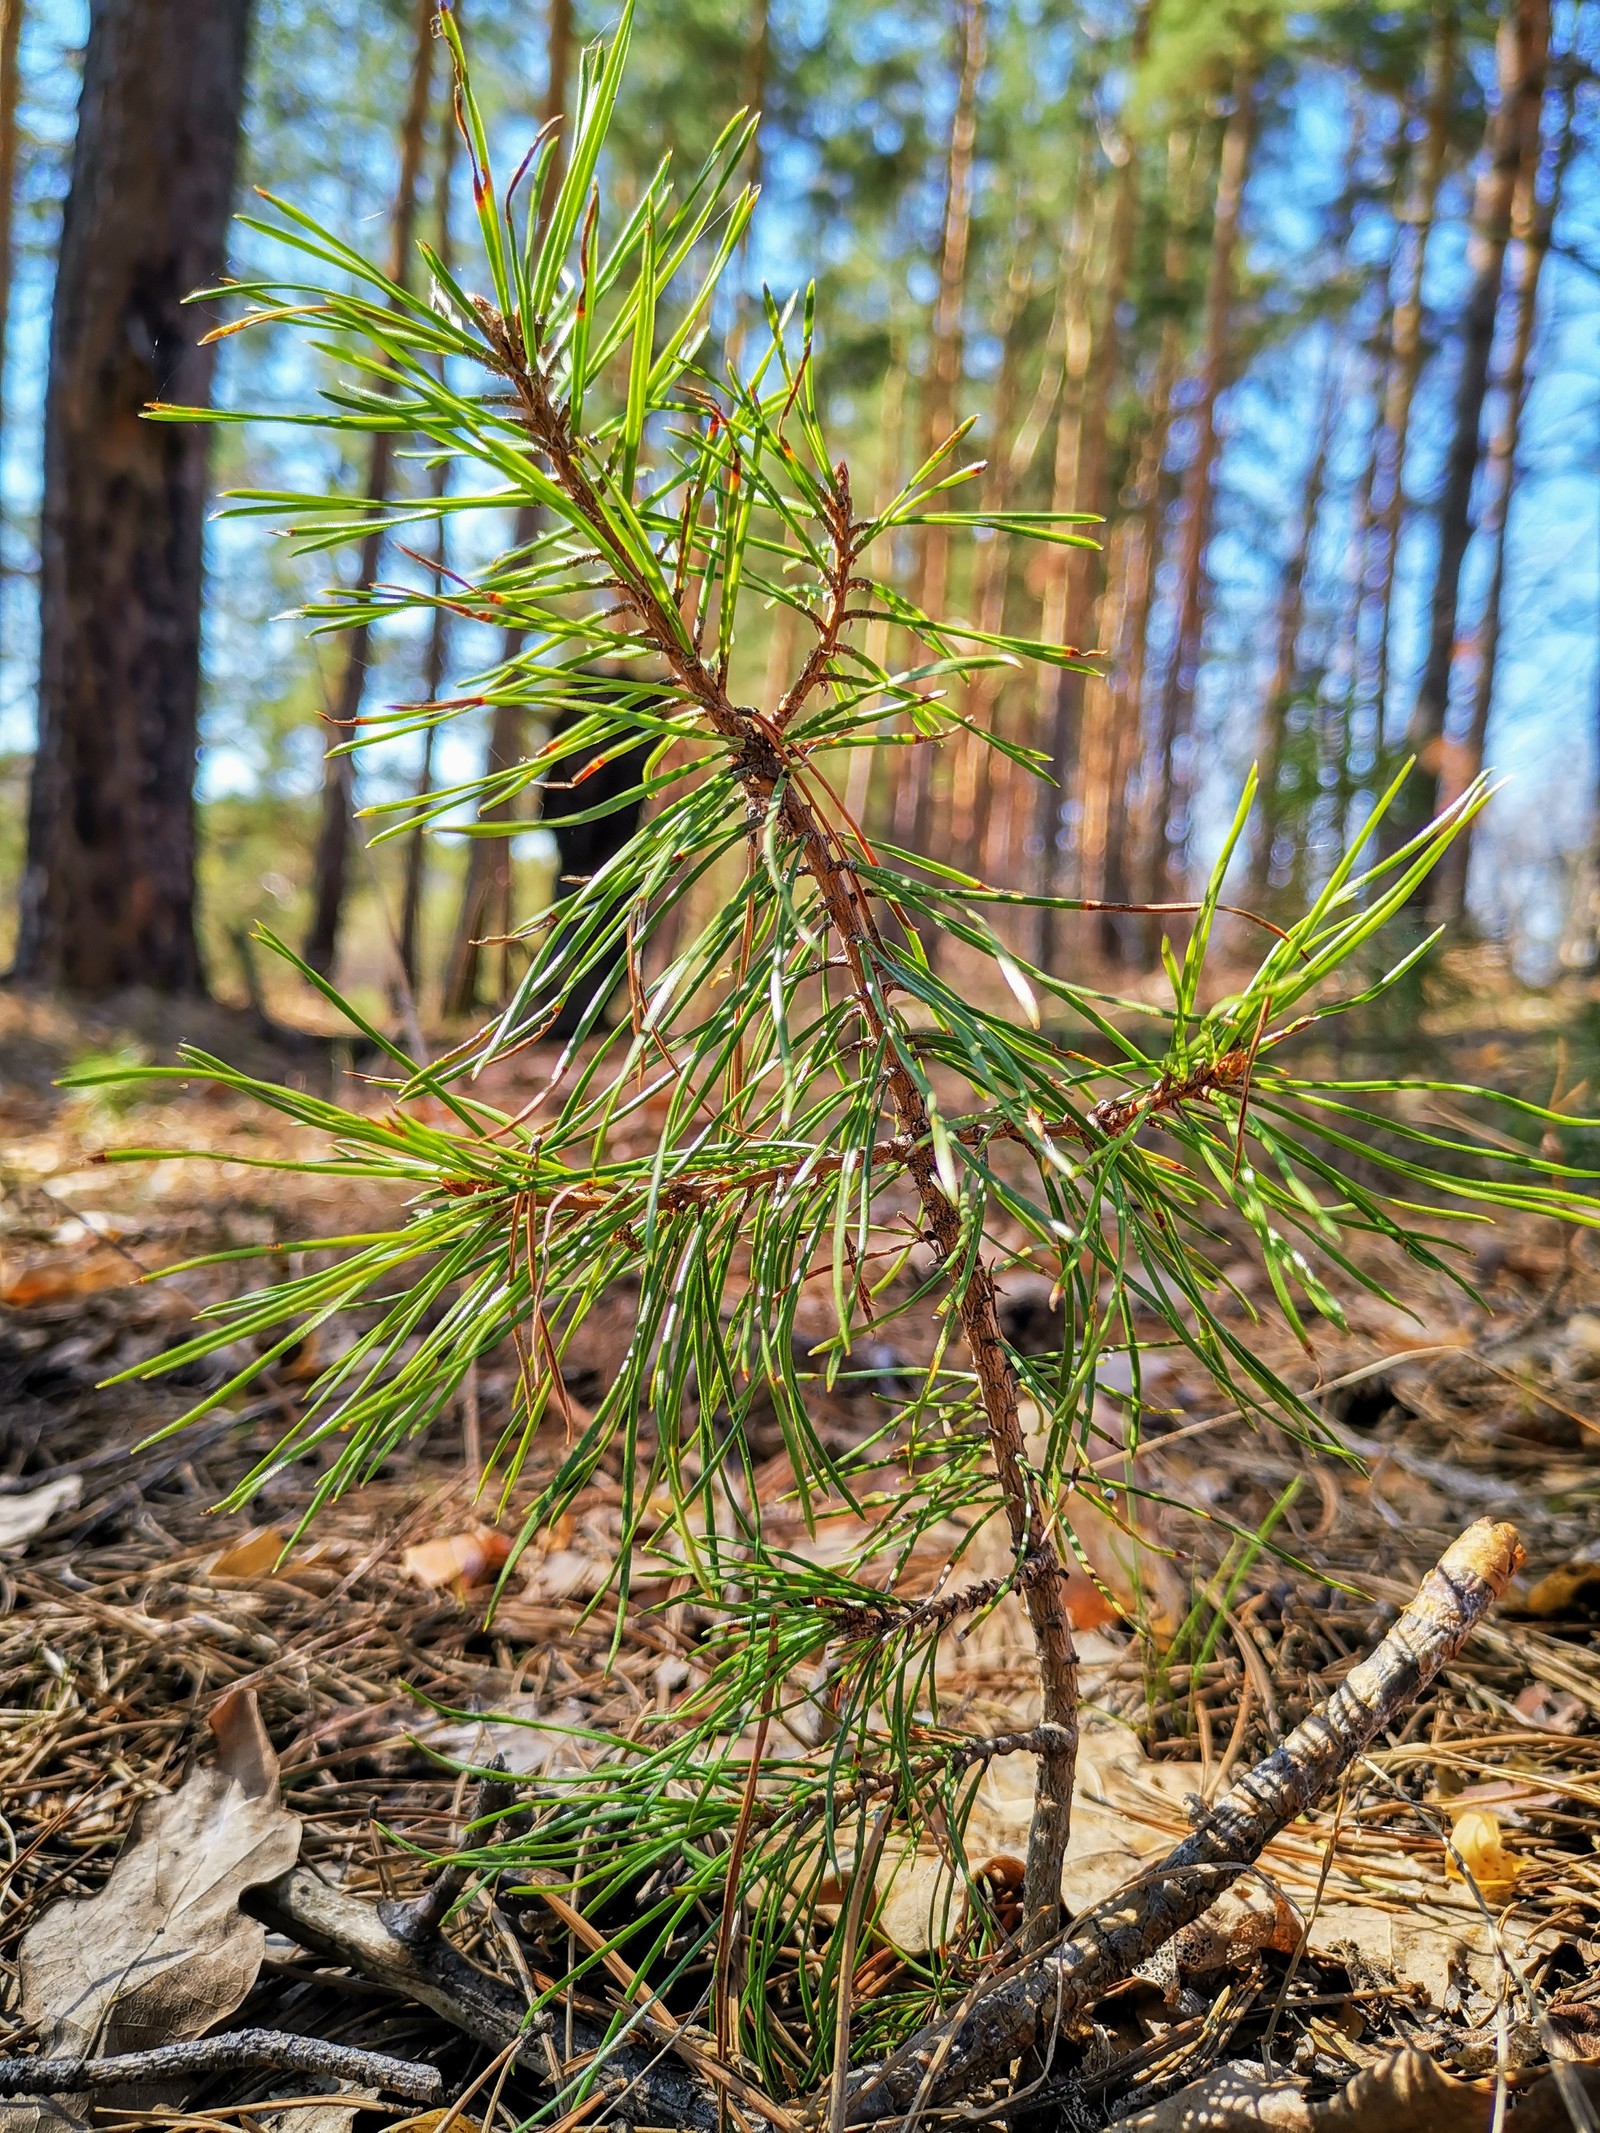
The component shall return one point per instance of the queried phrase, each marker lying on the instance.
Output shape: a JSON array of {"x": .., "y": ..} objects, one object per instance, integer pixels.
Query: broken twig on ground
[
  {"x": 1030, "y": 2004},
  {"x": 243, "y": 2050}
]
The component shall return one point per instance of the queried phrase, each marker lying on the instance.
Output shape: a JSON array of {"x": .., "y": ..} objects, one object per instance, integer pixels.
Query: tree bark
[
  {"x": 1281, "y": 690},
  {"x": 946, "y": 356},
  {"x": 1534, "y": 220},
  {"x": 439, "y": 621},
  {"x": 1199, "y": 482},
  {"x": 108, "y": 894},
  {"x": 486, "y": 893},
  {"x": 1406, "y": 349},
  {"x": 972, "y": 759},
  {"x": 1077, "y": 576},
  {"x": 1522, "y": 52},
  {"x": 1118, "y": 930},
  {"x": 11, "y": 12},
  {"x": 331, "y": 866}
]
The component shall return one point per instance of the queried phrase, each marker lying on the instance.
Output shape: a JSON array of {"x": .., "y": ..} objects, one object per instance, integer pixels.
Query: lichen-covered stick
[{"x": 1026, "y": 2005}]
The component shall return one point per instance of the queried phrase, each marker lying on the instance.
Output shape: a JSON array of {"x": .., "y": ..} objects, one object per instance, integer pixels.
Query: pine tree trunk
[
  {"x": 487, "y": 891},
  {"x": 1291, "y": 610},
  {"x": 108, "y": 888},
  {"x": 331, "y": 864},
  {"x": 1077, "y": 575},
  {"x": 10, "y": 82},
  {"x": 972, "y": 758},
  {"x": 1534, "y": 220},
  {"x": 439, "y": 622},
  {"x": 1522, "y": 50},
  {"x": 1406, "y": 345},
  {"x": 1199, "y": 487},
  {"x": 944, "y": 378},
  {"x": 1118, "y": 930},
  {"x": 1272, "y": 739}
]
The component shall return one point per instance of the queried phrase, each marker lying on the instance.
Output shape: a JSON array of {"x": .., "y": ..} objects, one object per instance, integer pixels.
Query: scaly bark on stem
[{"x": 239, "y": 2051}]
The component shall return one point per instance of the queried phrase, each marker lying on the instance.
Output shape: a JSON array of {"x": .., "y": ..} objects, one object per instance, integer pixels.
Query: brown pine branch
[{"x": 1029, "y": 2006}]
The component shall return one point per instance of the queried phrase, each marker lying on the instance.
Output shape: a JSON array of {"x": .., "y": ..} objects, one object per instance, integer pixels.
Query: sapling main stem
[{"x": 774, "y": 773}]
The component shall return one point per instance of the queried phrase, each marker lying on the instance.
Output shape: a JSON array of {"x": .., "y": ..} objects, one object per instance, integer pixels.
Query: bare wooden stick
[
  {"x": 347, "y": 1930},
  {"x": 1028, "y": 2005},
  {"x": 241, "y": 2051}
]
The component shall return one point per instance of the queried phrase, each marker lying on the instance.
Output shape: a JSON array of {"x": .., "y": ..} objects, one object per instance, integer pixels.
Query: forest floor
[{"x": 130, "y": 1605}]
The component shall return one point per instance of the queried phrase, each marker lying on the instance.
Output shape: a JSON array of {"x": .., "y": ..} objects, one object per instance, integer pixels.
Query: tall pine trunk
[
  {"x": 108, "y": 888},
  {"x": 487, "y": 891},
  {"x": 1406, "y": 349},
  {"x": 1287, "y": 671},
  {"x": 439, "y": 622},
  {"x": 331, "y": 865},
  {"x": 10, "y": 86},
  {"x": 1119, "y": 932},
  {"x": 1534, "y": 220},
  {"x": 945, "y": 358},
  {"x": 971, "y": 757},
  {"x": 1272, "y": 741},
  {"x": 1199, "y": 485},
  {"x": 1083, "y": 483},
  {"x": 1521, "y": 52}
]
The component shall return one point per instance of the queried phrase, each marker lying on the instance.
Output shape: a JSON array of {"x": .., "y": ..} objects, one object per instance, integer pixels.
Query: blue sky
[{"x": 1547, "y": 706}]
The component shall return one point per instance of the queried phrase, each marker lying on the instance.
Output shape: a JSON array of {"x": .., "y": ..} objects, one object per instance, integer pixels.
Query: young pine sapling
[{"x": 831, "y": 1113}]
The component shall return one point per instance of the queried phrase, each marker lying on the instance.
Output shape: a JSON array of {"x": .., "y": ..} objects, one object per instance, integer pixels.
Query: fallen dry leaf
[
  {"x": 1420, "y": 1942},
  {"x": 1406, "y": 2093},
  {"x": 1478, "y": 1848},
  {"x": 163, "y": 1951},
  {"x": 59, "y": 1280},
  {"x": 1568, "y": 1588},
  {"x": 1551, "y": 1710},
  {"x": 1547, "y": 2109},
  {"x": 21, "y": 1517},
  {"x": 1242, "y": 1922},
  {"x": 257, "y": 1555},
  {"x": 1574, "y": 2027},
  {"x": 1233, "y": 2096},
  {"x": 322, "y": 2117},
  {"x": 460, "y": 1559},
  {"x": 1126, "y": 1813}
]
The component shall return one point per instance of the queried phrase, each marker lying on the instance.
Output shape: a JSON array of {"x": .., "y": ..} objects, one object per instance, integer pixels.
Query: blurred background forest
[{"x": 1300, "y": 299}]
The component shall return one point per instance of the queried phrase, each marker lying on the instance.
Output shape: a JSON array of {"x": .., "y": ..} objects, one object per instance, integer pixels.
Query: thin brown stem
[{"x": 769, "y": 769}]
